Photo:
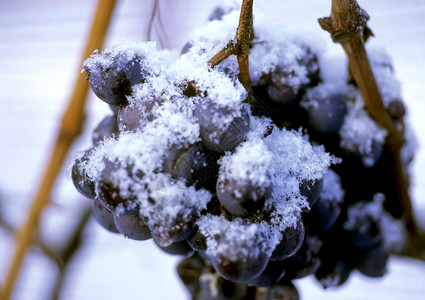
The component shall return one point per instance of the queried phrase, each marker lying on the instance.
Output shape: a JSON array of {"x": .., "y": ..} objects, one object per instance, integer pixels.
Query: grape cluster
[{"x": 255, "y": 191}]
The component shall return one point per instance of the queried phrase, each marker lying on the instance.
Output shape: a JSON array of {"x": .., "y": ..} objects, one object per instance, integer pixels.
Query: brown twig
[
  {"x": 64, "y": 256},
  {"x": 239, "y": 46},
  {"x": 156, "y": 13},
  {"x": 71, "y": 126},
  {"x": 347, "y": 25}
]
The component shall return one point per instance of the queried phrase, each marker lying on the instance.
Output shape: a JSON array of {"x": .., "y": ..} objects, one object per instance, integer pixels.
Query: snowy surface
[{"x": 39, "y": 60}]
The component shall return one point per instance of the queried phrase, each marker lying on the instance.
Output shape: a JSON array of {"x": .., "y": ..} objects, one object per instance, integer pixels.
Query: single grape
[
  {"x": 108, "y": 190},
  {"x": 373, "y": 261},
  {"x": 112, "y": 82},
  {"x": 185, "y": 163},
  {"x": 82, "y": 182},
  {"x": 311, "y": 189},
  {"x": 175, "y": 228},
  {"x": 327, "y": 113},
  {"x": 132, "y": 117},
  {"x": 190, "y": 270},
  {"x": 292, "y": 239},
  {"x": 306, "y": 261},
  {"x": 198, "y": 241},
  {"x": 333, "y": 273},
  {"x": 178, "y": 248},
  {"x": 103, "y": 216},
  {"x": 239, "y": 199},
  {"x": 363, "y": 223},
  {"x": 214, "y": 134},
  {"x": 323, "y": 214},
  {"x": 240, "y": 268},
  {"x": 271, "y": 274},
  {"x": 284, "y": 290},
  {"x": 396, "y": 109},
  {"x": 234, "y": 290},
  {"x": 132, "y": 226},
  {"x": 107, "y": 128},
  {"x": 277, "y": 86}
]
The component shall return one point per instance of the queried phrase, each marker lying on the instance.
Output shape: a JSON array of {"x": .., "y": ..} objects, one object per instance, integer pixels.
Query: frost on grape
[
  {"x": 238, "y": 238},
  {"x": 361, "y": 135},
  {"x": 332, "y": 190},
  {"x": 285, "y": 51},
  {"x": 294, "y": 160},
  {"x": 250, "y": 164}
]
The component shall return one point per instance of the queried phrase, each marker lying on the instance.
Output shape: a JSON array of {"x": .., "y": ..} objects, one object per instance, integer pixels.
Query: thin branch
[
  {"x": 71, "y": 126},
  {"x": 65, "y": 255},
  {"x": 156, "y": 13},
  {"x": 150, "y": 24},
  {"x": 239, "y": 46},
  {"x": 347, "y": 25}
]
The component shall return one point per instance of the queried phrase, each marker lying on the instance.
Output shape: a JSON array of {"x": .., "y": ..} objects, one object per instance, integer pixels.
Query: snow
[
  {"x": 332, "y": 190},
  {"x": 361, "y": 135},
  {"x": 44, "y": 39},
  {"x": 238, "y": 238}
]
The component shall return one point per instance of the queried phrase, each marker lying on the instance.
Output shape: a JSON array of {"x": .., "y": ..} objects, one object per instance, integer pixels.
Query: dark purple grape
[
  {"x": 198, "y": 241},
  {"x": 107, "y": 128},
  {"x": 306, "y": 261},
  {"x": 326, "y": 114},
  {"x": 176, "y": 228},
  {"x": 363, "y": 224},
  {"x": 311, "y": 189},
  {"x": 190, "y": 270},
  {"x": 323, "y": 214},
  {"x": 103, "y": 216},
  {"x": 178, "y": 248},
  {"x": 242, "y": 268},
  {"x": 284, "y": 290},
  {"x": 333, "y": 273},
  {"x": 132, "y": 117},
  {"x": 241, "y": 199},
  {"x": 396, "y": 109},
  {"x": 373, "y": 261},
  {"x": 292, "y": 239},
  {"x": 132, "y": 226},
  {"x": 233, "y": 290},
  {"x": 278, "y": 89},
  {"x": 112, "y": 82},
  {"x": 214, "y": 135},
  {"x": 271, "y": 274},
  {"x": 109, "y": 193},
  {"x": 82, "y": 182},
  {"x": 186, "y": 163}
]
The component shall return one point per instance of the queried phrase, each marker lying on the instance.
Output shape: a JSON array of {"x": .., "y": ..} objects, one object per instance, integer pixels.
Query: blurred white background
[{"x": 41, "y": 43}]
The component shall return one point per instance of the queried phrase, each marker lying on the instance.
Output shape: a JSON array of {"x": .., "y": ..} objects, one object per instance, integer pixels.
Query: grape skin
[
  {"x": 241, "y": 200},
  {"x": 292, "y": 239},
  {"x": 132, "y": 226},
  {"x": 113, "y": 84},
  {"x": 81, "y": 180},
  {"x": 103, "y": 216},
  {"x": 107, "y": 128},
  {"x": 213, "y": 134}
]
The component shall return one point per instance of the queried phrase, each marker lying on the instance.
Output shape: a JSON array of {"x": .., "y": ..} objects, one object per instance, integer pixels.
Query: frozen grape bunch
[{"x": 255, "y": 190}]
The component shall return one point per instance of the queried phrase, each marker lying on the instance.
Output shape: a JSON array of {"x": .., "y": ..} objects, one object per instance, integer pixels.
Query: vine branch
[
  {"x": 347, "y": 25},
  {"x": 71, "y": 126},
  {"x": 239, "y": 46}
]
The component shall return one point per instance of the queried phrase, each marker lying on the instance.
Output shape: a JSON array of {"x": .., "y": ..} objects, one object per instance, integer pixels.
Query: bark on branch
[{"x": 347, "y": 25}]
